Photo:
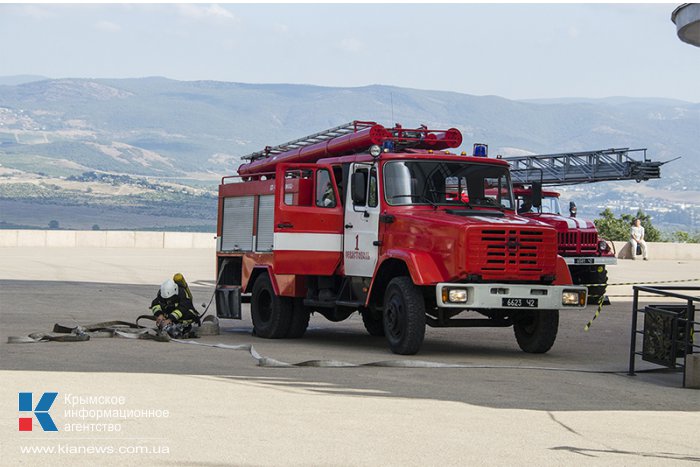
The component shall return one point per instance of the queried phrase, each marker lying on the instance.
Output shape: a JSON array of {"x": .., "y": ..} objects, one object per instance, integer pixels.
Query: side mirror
[
  {"x": 359, "y": 189},
  {"x": 537, "y": 195},
  {"x": 572, "y": 209}
]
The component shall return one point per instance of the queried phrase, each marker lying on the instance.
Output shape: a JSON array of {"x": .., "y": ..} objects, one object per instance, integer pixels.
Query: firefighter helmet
[{"x": 168, "y": 289}]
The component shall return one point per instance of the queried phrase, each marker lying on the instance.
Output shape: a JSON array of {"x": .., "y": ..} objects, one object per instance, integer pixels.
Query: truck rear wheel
[
  {"x": 299, "y": 321},
  {"x": 536, "y": 331},
  {"x": 374, "y": 323},
  {"x": 271, "y": 314},
  {"x": 404, "y": 316}
]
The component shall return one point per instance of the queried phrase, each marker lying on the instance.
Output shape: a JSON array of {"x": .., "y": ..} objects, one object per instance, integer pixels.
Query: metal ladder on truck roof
[
  {"x": 584, "y": 167},
  {"x": 325, "y": 135}
]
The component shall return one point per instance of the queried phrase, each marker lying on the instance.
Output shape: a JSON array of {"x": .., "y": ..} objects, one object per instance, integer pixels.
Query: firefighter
[{"x": 173, "y": 307}]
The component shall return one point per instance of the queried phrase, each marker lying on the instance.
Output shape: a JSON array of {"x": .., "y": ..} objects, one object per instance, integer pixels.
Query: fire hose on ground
[{"x": 135, "y": 331}]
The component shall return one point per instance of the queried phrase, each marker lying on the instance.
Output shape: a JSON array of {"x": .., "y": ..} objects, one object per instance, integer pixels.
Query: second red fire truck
[
  {"x": 585, "y": 252},
  {"x": 387, "y": 222}
]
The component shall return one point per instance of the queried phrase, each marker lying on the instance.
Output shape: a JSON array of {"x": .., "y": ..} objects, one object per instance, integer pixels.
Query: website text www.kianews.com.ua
[{"x": 121, "y": 449}]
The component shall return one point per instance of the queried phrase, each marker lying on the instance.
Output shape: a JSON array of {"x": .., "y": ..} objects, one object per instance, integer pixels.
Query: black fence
[{"x": 668, "y": 328}]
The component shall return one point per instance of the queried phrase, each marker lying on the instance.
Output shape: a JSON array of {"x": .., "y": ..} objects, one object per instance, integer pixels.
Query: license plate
[
  {"x": 519, "y": 302},
  {"x": 584, "y": 260}
]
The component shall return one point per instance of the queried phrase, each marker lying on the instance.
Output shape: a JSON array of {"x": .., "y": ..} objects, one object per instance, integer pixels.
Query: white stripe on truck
[{"x": 308, "y": 241}]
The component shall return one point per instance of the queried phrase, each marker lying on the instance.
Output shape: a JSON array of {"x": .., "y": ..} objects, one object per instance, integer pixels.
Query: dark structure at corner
[{"x": 687, "y": 20}]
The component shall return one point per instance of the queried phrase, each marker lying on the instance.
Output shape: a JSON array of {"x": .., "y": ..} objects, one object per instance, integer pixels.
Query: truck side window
[
  {"x": 325, "y": 194},
  {"x": 298, "y": 187},
  {"x": 364, "y": 171},
  {"x": 372, "y": 194},
  {"x": 338, "y": 173}
]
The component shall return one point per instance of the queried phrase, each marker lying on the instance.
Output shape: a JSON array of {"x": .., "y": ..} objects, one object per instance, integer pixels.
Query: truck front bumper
[{"x": 510, "y": 296}]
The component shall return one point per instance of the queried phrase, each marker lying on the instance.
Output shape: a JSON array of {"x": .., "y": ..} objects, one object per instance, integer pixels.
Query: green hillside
[{"x": 156, "y": 127}]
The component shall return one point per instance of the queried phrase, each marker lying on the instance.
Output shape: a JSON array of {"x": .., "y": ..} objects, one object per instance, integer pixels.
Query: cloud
[
  {"x": 107, "y": 26},
  {"x": 280, "y": 28},
  {"x": 351, "y": 45},
  {"x": 33, "y": 11},
  {"x": 202, "y": 12}
]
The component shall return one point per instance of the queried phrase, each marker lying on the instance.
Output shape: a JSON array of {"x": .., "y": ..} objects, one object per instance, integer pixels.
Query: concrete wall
[
  {"x": 127, "y": 239},
  {"x": 658, "y": 250},
  {"x": 105, "y": 239}
]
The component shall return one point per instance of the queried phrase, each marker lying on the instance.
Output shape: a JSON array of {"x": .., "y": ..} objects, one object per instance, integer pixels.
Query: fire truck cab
[
  {"x": 585, "y": 252},
  {"x": 387, "y": 223}
]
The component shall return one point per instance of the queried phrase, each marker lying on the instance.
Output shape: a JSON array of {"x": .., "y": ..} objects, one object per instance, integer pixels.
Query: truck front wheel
[
  {"x": 373, "y": 321},
  {"x": 271, "y": 313},
  {"x": 404, "y": 316},
  {"x": 536, "y": 331},
  {"x": 595, "y": 293},
  {"x": 591, "y": 275}
]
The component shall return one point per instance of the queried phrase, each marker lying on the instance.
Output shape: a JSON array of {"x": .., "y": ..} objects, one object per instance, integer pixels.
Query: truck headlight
[
  {"x": 603, "y": 246},
  {"x": 454, "y": 295},
  {"x": 573, "y": 298}
]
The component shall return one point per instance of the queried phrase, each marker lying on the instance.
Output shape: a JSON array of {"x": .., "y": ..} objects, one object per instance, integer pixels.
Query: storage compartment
[
  {"x": 228, "y": 302},
  {"x": 266, "y": 223},
  {"x": 232, "y": 270},
  {"x": 237, "y": 224}
]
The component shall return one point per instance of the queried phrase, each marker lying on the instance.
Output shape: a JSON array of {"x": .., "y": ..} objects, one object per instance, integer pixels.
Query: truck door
[
  {"x": 361, "y": 222},
  {"x": 308, "y": 233}
]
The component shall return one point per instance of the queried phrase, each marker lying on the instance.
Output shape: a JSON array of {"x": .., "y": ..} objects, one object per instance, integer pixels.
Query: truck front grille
[
  {"x": 578, "y": 243},
  {"x": 512, "y": 253}
]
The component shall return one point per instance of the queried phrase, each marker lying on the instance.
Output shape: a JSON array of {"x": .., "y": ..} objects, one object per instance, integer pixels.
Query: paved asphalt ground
[{"x": 574, "y": 404}]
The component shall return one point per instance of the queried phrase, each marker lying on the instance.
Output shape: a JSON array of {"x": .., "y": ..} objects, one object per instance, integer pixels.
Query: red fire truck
[
  {"x": 367, "y": 218},
  {"x": 579, "y": 243},
  {"x": 586, "y": 253}
]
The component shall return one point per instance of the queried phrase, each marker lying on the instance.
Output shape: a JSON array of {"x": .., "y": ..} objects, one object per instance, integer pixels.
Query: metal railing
[
  {"x": 325, "y": 135},
  {"x": 668, "y": 332}
]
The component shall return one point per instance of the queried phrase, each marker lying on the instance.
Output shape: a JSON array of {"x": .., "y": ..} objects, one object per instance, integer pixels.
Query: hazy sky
[{"x": 516, "y": 51}]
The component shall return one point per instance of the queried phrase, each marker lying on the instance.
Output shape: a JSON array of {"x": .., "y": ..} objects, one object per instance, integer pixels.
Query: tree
[
  {"x": 681, "y": 236},
  {"x": 95, "y": 227},
  {"x": 53, "y": 225},
  {"x": 651, "y": 233},
  {"x": 618, "y": 229},
  {"x": 611, "y": 228}
]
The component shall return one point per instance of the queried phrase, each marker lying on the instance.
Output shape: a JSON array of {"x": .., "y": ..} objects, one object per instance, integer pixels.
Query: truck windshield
[
  {"x": 447, "y": 183},
  {"x": 550, "y": 205}
]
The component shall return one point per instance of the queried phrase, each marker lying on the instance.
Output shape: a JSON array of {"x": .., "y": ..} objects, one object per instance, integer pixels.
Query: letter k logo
[{"x": 41, "y": 411}]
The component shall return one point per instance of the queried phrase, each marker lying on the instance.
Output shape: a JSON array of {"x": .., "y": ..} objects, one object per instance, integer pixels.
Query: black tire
[
  {"x": 374, "y": 324},
  {"x": 590, "y": 275},
  {"x": 404, "y": 316},
  {"x": 598, "y": 291},
  {"x": 536, "y": 331},
  {"x": 271, "y": 314},
  {"x": 299, "y": 321}
]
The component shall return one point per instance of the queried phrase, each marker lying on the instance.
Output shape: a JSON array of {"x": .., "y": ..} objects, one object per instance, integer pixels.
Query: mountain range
[{"x": 184, "y": 135}]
